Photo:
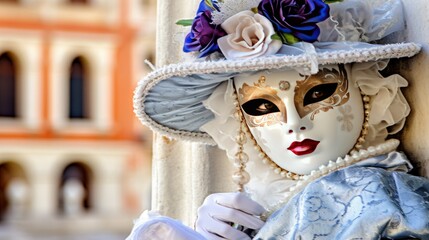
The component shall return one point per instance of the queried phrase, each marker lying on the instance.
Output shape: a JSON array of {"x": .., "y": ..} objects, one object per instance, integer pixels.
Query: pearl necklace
[{"x": 348, "y": 160}]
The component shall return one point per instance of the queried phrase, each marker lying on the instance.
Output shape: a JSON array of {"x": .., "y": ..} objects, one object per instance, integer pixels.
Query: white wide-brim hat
[{"x": 170, "y": 99}]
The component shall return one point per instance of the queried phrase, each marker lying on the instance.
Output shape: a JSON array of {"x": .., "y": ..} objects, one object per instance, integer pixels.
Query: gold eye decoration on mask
[
  {"x": 261, "y": 82},
  {"x": 321, "y": 92},
  {"x": 261, "y": 104}
]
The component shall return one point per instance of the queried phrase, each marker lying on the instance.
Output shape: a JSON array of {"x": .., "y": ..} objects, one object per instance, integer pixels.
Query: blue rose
[{"x": 296, "y": 17}]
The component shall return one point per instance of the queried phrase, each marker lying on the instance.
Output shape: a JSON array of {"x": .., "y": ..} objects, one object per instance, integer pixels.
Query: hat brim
[{"x": 169, "y": 99}]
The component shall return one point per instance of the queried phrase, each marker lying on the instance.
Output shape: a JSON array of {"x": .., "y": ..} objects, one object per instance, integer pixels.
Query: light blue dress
[{"x": 374, "y": 199}]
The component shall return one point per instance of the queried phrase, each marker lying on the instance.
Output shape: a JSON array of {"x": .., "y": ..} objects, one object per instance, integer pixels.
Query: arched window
[
  {"x": 13, "y": 190},
  {"x": 9, "y": 1},
  {"x": 78, "y": 1},
  {"x": 75, "y": 186},
  {"x": 7, "y": 86},
  {"x": 78, "y": 90}
]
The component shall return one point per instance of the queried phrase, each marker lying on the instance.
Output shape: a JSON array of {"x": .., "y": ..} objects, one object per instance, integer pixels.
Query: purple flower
[
  {"x": 296, "y": 17},
  {"x": 204, "y": 35}
]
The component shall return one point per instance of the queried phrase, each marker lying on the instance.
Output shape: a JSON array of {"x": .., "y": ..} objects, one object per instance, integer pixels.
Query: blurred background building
[{"x": 74, "y": 161}]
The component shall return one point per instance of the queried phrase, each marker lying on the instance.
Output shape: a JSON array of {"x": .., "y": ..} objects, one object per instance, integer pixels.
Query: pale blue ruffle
[{"x": 177, "y": 103}]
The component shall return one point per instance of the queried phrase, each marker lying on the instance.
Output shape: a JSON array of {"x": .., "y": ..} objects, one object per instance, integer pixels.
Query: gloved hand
[
  {"x": 151, "y": 225},
  {"x": 220, "y": 210}
]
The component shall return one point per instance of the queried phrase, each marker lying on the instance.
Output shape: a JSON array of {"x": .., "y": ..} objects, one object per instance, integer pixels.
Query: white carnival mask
[{"x": 302, "y": 122}]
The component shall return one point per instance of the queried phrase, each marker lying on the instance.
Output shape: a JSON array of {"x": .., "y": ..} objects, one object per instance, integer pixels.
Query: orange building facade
[{"x": 71, "y": 149}]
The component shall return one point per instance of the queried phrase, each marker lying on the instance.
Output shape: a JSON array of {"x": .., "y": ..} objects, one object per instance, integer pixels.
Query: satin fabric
[
  {"x": 364, "y": 201},
  {"x": 374, "y": 199}
]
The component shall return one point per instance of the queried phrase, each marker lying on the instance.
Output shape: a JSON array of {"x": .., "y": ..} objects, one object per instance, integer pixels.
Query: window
[
  {"x": 79, "y": 192},
  {"x": 78, "y": 90},
  {"x": 7, "y": 86},
  {"x": 83, "y": 2},
  {"x": 13, "y": 190},
  {"x": 9, "y": 1}
]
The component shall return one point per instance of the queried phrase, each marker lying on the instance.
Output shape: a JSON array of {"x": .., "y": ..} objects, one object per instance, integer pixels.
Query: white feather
[{"x": 228, "y": 8}]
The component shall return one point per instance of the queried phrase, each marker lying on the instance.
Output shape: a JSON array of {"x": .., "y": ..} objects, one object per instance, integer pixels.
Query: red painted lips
[{"x": 305, "y": 147}]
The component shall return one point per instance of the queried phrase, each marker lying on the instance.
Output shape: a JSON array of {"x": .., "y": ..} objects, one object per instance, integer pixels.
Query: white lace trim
[{"x": 228, "y": 8}]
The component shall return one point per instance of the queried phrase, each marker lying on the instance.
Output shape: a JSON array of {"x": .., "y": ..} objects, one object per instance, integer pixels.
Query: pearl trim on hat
[{"x": 303, "y": 62}]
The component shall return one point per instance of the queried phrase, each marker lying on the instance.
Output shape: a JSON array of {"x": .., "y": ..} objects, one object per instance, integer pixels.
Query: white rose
[{"x": 248, "y": 36}]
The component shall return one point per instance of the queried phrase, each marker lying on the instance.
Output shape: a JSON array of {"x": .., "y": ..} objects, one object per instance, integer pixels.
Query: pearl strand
[
  {"x": 240, "y": 176},
  {"x": 367, "y": 109},
  {"x": 348, "y": 160}
]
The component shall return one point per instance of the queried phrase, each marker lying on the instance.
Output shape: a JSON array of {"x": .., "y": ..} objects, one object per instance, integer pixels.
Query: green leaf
[
  {"x": 289, "y": 38},
  {"x": 332, "y": 1},
  {"x": 275, "y": 36},
  {"x": 210, "y": 4},
  {"x": 286, "y": 38},
  {"x": 185, "y": 22}
]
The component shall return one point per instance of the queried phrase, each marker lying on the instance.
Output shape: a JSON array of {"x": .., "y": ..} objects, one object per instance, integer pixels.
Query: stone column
[
  {"x": 414, "y": 137},
  {"x": 183, "y": 172},
  {"x": 43, "y": 185}
]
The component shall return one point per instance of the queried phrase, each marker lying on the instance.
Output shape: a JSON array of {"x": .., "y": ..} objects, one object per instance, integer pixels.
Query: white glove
[
  {"x": 220, "y": 210},
  {"x": 151, "y": 225}
]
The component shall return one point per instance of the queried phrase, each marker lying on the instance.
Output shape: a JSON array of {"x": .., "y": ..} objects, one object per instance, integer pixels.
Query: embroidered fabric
[
  {"x": 372, "y": 199},
  {"x": 363, "y": 201}
]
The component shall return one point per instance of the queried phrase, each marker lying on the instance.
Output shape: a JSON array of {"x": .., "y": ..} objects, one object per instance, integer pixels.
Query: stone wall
[{"x": 415, "y": 141}]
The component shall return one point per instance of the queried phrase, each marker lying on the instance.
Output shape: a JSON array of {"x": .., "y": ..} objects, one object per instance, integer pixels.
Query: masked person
[{"x": 292, "y": 91}]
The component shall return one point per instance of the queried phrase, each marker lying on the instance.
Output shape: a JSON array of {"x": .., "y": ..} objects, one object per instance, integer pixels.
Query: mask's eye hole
[
  {"x": 257, "y": 107},
  {"x": 319, "y": 93}
]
